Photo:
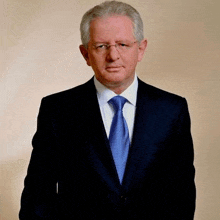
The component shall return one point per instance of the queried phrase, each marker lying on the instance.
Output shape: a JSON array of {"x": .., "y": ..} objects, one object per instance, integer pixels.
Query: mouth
[{"x": 113, "y": 68}]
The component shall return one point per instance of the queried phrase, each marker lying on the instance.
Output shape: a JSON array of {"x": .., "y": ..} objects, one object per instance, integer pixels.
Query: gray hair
[{"x": 110, "y": 8}]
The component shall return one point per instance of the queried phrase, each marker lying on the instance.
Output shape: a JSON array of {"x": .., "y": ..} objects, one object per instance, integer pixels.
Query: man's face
[{"x": 112, "y": 67}]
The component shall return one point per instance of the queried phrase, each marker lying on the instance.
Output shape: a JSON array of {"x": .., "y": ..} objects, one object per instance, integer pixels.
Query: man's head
[
  {"x": 113, "y": 43},
  {"x": 107, "y": 9}
]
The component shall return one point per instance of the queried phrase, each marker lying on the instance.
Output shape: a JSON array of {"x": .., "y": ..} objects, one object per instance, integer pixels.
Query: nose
[{"x": 112, "y": 54}]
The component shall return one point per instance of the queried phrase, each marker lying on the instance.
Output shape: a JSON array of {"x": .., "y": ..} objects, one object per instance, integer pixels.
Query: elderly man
[{"x": 116, "y": 147}]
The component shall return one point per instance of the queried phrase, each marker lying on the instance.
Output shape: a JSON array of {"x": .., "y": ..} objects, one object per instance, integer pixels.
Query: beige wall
[{"x": 39, "y": 56}]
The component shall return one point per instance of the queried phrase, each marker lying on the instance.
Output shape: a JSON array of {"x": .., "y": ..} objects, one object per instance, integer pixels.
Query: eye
[
  {"x": 101, "y": 46},
  {"x": 123, "y": 45}
]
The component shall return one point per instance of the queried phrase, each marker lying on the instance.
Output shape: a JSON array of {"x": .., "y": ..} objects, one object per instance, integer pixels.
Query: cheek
[
  {"x": 96, "y": 62},
  {"x": 133, "y": 57},
  {"x": 132, "y": 61}
]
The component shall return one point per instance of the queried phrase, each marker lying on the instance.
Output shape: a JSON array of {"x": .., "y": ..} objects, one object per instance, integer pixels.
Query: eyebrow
[{"x": 118, "y": 41}]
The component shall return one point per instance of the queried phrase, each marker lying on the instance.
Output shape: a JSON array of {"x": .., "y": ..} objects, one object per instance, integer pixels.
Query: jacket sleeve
[
  {"x": 39, "y": 197},
  {"x": 182, "y": 194}
]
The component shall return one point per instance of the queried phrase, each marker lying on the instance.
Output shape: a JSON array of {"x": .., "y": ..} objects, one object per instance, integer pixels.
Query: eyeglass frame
[{"x": 96, "y": 46}]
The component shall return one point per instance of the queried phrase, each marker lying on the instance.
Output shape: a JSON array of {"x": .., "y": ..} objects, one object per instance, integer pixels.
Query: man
[{"x": 117, "y": 147}]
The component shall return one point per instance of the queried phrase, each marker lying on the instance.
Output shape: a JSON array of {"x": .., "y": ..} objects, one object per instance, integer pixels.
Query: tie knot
[{"x": 118, "y": 102}]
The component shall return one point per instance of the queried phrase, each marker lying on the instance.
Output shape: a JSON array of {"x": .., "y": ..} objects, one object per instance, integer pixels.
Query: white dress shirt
[{"x": 107, "y": 111}]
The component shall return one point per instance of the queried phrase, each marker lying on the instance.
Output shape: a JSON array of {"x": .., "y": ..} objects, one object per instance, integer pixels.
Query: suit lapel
[
  {"x": 97, "y": 141},
  {"x": 141, "y": 151}
]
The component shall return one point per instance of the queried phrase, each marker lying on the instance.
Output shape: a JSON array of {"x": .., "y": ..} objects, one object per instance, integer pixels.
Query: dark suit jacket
[{"x": 71, "y": 147}]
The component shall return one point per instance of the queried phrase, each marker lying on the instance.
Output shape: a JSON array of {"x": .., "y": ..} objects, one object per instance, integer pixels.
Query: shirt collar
[{"x": 104, "y": 94}]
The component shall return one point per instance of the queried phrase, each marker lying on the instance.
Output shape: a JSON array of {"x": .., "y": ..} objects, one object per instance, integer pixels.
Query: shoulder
[
  {"x": 71, "y": 101},
  {"x": 164, "y": 100},
  {"x": 78, "y": 93},
  {"x": 155, "y": 92}
]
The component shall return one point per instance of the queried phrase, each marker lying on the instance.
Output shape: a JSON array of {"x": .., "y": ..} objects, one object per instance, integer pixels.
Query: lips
[{"x": 113, "y": 68}]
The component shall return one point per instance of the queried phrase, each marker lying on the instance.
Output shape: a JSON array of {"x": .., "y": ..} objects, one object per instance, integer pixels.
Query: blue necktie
[{"x": 119, "y": 136}]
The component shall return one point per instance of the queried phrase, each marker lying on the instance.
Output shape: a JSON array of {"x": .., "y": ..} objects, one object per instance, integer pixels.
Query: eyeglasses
[{"x": 121, "y": 47}]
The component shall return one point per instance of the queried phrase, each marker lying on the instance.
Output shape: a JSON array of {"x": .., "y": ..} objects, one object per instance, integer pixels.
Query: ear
[
  {"x": 84, "y": 52},
  {"x": 141, "y": 49}
]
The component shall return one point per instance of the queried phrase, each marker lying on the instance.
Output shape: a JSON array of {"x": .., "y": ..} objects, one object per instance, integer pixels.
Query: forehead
[{"x": 116, "y": 26}]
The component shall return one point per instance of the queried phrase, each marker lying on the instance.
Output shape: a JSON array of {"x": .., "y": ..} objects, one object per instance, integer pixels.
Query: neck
[{"x": 118, "y": 90}]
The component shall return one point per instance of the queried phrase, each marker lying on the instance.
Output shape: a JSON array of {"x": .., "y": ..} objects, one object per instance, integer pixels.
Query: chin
[
  {"x": 115, "y": 76},
  {"x": 115, "y": 80}
]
